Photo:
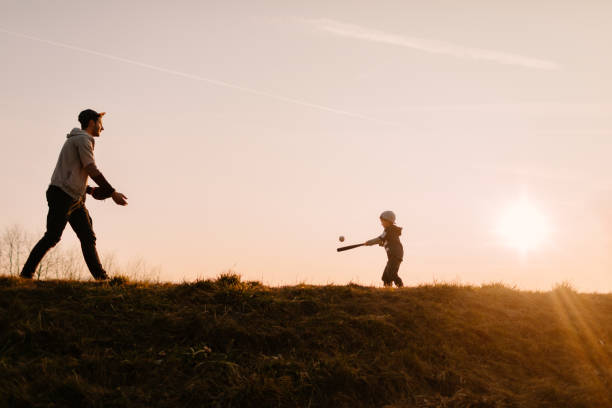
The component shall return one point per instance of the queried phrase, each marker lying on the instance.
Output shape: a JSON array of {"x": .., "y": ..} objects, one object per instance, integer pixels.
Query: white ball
[{"x": 341, "y": 238}]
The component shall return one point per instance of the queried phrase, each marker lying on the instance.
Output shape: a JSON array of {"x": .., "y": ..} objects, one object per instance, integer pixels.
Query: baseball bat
[{"x": 349, "y": 247}]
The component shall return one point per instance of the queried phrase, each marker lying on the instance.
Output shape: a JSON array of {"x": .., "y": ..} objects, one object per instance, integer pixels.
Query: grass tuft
[
  {"x": 228, "y": 279},
  {"x": 118, "y": 281}
]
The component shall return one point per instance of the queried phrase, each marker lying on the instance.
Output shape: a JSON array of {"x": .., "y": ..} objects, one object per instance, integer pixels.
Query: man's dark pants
[
  {"x": 390, "y": 274},
  {"x": 64, "y": 209}
]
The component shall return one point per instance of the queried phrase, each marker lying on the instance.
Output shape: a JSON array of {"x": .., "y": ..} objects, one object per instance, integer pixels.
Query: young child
[{"x": 395, "y": 251}]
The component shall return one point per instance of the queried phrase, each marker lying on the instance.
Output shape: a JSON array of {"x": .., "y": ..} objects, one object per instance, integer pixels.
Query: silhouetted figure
[
  {"x": 66, "y": 196},
  {"x": 395, "y": 251}
]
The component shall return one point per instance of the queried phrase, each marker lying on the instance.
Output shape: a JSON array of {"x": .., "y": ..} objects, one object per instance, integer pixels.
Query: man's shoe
[{"x": 101, "y": 278}]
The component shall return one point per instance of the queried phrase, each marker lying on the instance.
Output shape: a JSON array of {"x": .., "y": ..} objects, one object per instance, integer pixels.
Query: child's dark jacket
[{"x": 390, "y": 240}]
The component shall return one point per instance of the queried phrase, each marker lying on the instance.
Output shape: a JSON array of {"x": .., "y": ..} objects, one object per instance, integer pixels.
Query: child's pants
[{"x": 390, "y": 275}]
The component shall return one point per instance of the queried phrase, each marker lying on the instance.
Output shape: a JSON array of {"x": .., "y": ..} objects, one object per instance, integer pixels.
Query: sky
[{"x": 251, "y": 135}]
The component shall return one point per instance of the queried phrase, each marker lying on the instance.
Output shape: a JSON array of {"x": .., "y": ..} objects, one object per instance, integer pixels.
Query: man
[{"x": 66, "y": 196}]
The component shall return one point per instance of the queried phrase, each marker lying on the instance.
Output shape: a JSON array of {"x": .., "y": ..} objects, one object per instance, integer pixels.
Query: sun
[{"x": 523, "y": 226}]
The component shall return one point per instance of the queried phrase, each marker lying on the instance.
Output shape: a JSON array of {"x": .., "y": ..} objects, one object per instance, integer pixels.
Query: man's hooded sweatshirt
[{"x": 77, "y": 153}]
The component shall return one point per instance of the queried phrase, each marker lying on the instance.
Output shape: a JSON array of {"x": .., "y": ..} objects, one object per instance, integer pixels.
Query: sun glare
[{"x": 523, "y": 226}]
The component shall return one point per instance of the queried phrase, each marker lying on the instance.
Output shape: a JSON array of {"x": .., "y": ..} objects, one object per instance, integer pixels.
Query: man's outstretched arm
[{"x": 104, "y": 189}]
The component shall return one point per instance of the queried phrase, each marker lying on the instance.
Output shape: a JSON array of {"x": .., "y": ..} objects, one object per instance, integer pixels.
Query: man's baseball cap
[{"x": 87, "y": 115}]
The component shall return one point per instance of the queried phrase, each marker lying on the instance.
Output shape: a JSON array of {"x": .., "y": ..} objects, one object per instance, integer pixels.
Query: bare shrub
[{"x": 64, "y": 263}]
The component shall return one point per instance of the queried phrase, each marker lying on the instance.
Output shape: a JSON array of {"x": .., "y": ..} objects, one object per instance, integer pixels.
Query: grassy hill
[{"x": 231, "y": 343}]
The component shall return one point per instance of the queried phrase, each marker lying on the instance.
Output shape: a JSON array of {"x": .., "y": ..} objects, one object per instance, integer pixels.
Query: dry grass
[{"x": 232, "y": 343}]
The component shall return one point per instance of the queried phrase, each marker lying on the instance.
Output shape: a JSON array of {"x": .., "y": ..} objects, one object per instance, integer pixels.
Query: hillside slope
[{"x": 231, "y": 343}]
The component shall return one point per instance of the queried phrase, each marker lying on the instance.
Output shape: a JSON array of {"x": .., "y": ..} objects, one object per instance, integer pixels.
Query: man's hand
[{"x": 119, "y": 198}]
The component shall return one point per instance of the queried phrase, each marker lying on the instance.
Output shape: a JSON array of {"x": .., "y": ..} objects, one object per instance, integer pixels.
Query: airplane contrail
[
  {"x": 200, "y": 78},
  {"x": 353, "y": 31}
]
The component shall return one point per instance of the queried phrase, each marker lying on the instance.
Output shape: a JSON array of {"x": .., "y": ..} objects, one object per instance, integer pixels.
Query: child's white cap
[{"x": 388, "y": 215}]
